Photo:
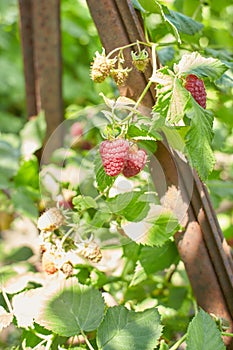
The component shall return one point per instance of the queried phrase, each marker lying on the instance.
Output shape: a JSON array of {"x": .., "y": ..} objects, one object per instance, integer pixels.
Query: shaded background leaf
[{"x": 122, "y": 329}]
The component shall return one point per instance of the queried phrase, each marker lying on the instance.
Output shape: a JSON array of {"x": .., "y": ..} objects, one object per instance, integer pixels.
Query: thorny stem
[
  {"x": 86, "y": 340},
  {"x": 180, "y": 341}
]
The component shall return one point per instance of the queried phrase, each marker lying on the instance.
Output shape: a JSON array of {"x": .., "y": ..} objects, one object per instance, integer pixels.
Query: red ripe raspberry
[
  {"x": 197, "y": 88},
  {"x": 135, "y": 162},
  {"x": 114, "y": 154}
]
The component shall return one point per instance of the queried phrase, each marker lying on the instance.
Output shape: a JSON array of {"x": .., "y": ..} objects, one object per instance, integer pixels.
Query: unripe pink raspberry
[
  {"x": 197, "y": 88},
  {"x": 114, "y": 154},
  {"x": 76, "y": 129},
  {"x": 135, "y": 162}
]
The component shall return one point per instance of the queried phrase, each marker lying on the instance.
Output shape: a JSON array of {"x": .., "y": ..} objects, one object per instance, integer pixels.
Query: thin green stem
[
  {"x": 138, "y": 102},
  {"x": 86, "y": 340},
  {"x": 154, "y": 62},
  {"x": 120, "y": 49},
  {"x": 129, "y": 45},
  {"x": 227, "y": 334},
  {"x": 195, "y": 306},
  {"x": 180, "y": 341},
  {"x": 143, "y": 94},
  {"x": 66, "y": 235},
  {"x": 196, "y": 11},
  {"x": 146, "y": 31}
]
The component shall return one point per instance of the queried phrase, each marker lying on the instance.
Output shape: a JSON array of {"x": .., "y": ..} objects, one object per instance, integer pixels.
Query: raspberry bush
[{"x": 103, "y": 271}]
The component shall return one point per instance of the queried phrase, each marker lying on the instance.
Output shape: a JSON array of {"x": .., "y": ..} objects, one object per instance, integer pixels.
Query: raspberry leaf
[
  {"x": 82, "y": 203},
  {"x": 153, "y": 232},
  {"x": 153, "y": 6},
  {"x": 163, "y": 227},
  {"x": 143, "y": 132},
  {"x": 154, "y": 259},
  {"x": 177, "y": 22},
  {"x": 203, "y": 333},
  {"x": 184, "y": 24},
  {"x": 198, "y": 140},
  {"x": 200, "y": 66},
  {"x": 129, "y": 205},
  {"x": 73, "y": 309},
  {"x": 172, "y": 97},
  {"x": 33, "y": 134},
  {"x": 121, "y": 329}
]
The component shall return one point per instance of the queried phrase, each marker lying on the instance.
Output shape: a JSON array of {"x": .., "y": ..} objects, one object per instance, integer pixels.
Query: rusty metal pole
[
  {"x": 41, "y": 44},
  {"x": 26, "y": 31},
  {"x": 202, "y": 247}
]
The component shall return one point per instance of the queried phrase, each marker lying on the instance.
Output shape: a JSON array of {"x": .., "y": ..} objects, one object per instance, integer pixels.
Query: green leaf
[
  {"x": 163, "y": 227},
  {"x": 8, "y": 159},
  {"x": 143, "y": 131},
  {"x": 166, "y": 54},
  {"x": 76, "y": 308},
  {"x": 198, "y": 140},
  {"x": 176, "y": 136},
  {"x": 23, "y": 201},
  {"x": 145, "y": 135},
  {"x": 139, "y": 275},
  {"x": 129, "y": 205},
  {"x": 153, "y": 6},
  {"x": 84, "y": 202},
  {"x": 194, "y": 63},
  {"x": 10, "y": 123},
  {"x": 103, "y": 180},
  {"x": 33, "y": 134},
  {"x": 100, "y": 218},
  {"x": 149, "y": 6},
  {"x": 203, "y": 333},
  {"x": 222, "y": 189},
  {"x": 183, "y": 23},
  {"x": 18, "y": 254},
  {"x": 166, "y": 16},
  {"x": 172, "y": 97},
  {"x": 154, "y": 259},
  {"x": 163, "y": 345},
  {"x": 123, "y": 329},
  {"x": 4, "y": 182},
  {"x": 27, "y": 174},
  {"x": 172, "y": 103},
  {"x": 137, "y": 5}
]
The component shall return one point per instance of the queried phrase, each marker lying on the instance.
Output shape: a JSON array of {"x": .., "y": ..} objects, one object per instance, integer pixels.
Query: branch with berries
[{"x": 180, "y": 106}]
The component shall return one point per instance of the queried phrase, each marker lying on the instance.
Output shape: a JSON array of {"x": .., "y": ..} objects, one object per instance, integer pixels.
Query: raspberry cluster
[
  {"x": 119, "y": 157},
  {"x": 197, "y": 88}
]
